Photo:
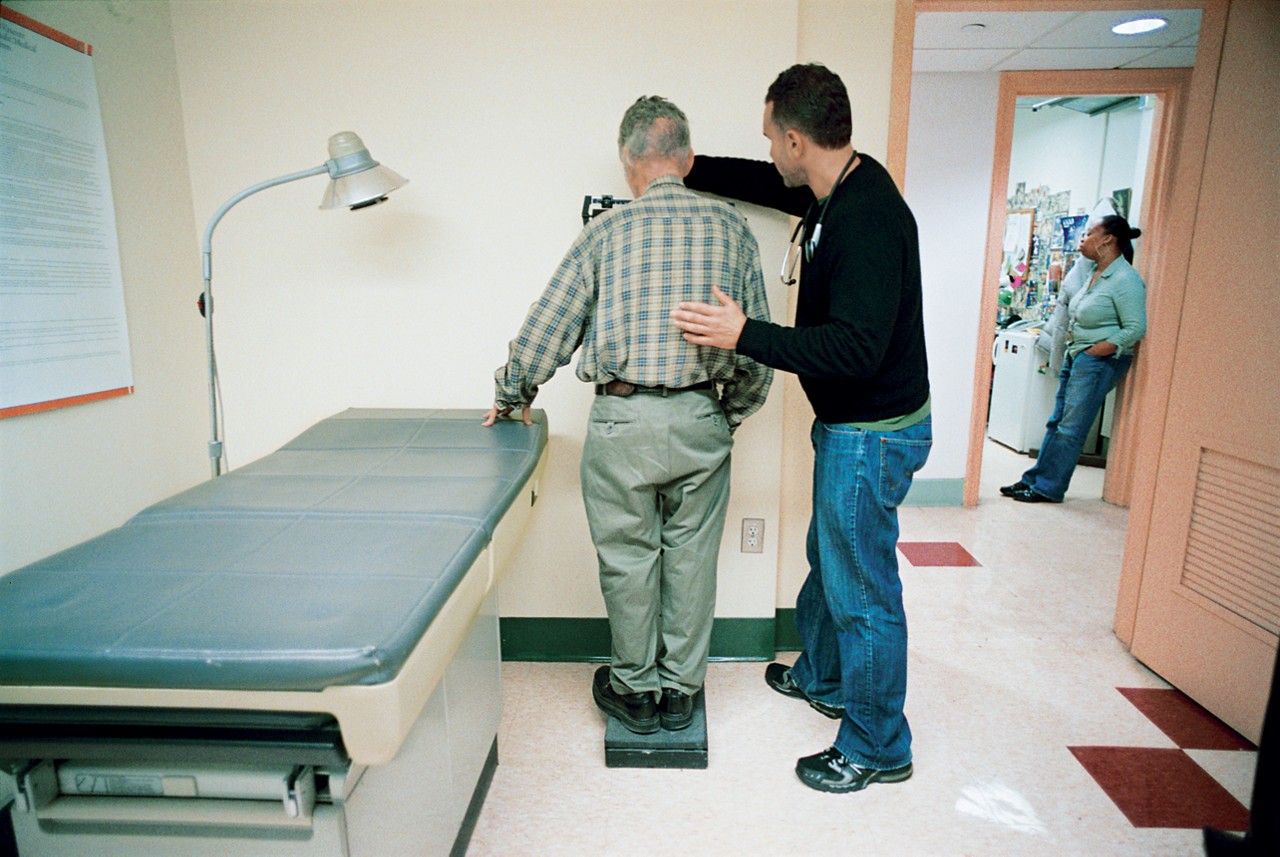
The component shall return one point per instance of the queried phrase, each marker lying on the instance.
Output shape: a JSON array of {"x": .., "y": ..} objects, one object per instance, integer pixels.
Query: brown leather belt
[{"x": 626, "y": 388}]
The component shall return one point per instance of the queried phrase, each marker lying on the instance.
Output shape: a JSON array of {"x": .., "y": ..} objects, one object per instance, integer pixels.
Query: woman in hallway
[{"x": 1105, "y": 321}]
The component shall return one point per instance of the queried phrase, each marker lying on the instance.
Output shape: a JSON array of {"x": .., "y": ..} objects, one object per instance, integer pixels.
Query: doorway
[
  {"x": 1160, "y": 93},
  {"x": 1074, "y": 159}
]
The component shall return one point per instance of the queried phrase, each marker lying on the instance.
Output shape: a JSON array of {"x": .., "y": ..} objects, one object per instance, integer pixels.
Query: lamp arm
[
  {"x": 250, "y": 191},
  {"x": 215, "y": 442}
]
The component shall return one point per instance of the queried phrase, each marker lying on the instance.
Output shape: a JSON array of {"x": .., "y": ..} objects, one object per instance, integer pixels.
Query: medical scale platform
[{"x": 685, "y": 748}]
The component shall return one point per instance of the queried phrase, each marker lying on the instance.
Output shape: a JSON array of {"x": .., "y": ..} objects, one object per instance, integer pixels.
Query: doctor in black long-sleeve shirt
[{"x": 858, "y": 350}]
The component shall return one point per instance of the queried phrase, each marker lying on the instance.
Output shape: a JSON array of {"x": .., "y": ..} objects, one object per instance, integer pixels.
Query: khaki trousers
[{"x": 655, "y": 482}]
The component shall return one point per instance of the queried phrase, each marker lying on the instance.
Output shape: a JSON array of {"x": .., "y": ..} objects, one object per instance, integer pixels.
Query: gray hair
[{"x": 653, "y": 128}]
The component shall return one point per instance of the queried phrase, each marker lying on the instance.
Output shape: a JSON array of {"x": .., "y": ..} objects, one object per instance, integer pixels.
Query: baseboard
[
  {"x": 786, "y": 637},
  {"x": 530, "y": 638},
  {"x": 935, "y": 492}
]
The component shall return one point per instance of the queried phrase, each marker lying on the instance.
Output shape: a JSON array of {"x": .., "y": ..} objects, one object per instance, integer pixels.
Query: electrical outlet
[{"x": 753, "y": 535}]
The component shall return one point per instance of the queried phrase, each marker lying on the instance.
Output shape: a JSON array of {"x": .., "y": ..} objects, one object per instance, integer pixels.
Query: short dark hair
[
  {"x": 1114, "y": 224},
  {"x": 812, "y": 99}
]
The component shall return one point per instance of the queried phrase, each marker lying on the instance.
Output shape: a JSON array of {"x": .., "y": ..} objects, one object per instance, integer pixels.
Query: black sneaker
[
  {"x": 637, "y": 711},
  {"x": 778, "y": 677},
  {"x": 1030, "y": 495},
  {"x": 1010, "y": 490},
  {"x": 831, "y": 771},
  {"x": 675, "y": 709}
]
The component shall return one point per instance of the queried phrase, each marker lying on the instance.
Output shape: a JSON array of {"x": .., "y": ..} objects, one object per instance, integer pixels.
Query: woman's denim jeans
[
  {"x": 849, "y": 612},
  {"x": 1083, "y": 385}
]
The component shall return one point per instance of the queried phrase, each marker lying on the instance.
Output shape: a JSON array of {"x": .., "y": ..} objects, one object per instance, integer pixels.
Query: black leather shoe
[
  {"x": 1026, "y": 495},
  {"x": 778, "y": 677},
  {"x": 637, "y": 711},
  {"x": 831, "y": 771},
  {"x": 675, "y": 709},
  {"x": 1010, "y": 490}
]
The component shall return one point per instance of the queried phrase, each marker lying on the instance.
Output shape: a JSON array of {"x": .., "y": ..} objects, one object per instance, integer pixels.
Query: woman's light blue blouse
[{"x": 1114, "y": 309}]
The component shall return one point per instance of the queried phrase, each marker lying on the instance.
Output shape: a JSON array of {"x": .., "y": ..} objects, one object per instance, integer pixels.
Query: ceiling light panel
[
  {"x": 938, "y": 30},
  {"x": 1139, "y": 26},
  {"x": 1093, "y": 30},
  {"x": 1072, "y": 59},
  {"x": 939, "y": 61},
  {"x": 1166, "y": 58}
]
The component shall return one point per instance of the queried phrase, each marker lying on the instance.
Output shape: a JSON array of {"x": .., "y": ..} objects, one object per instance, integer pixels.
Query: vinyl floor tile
[
  {"x": 1162, "y": 787},
  {"x": 1186, "y": 723},
  {"x": 921, "y": 554}
]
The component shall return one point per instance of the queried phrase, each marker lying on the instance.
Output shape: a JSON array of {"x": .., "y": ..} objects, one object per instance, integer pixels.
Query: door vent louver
[{"x": 1233, "y": 550}]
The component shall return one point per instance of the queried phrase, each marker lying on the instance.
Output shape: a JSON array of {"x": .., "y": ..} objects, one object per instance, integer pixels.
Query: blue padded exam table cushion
[{"x": 321, "y": 564}]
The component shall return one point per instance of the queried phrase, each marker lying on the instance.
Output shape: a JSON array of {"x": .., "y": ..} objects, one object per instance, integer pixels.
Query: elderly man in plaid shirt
[{"x": 655, "y": 463}]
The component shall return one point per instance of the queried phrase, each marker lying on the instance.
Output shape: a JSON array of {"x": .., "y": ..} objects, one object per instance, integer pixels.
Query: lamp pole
[
  {"x": 348, "y": 158},
  {"x": 215, "y": 440}
]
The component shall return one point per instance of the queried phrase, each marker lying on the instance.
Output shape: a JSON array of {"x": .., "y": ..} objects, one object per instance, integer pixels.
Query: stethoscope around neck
[{"x": 787, "y": 274}]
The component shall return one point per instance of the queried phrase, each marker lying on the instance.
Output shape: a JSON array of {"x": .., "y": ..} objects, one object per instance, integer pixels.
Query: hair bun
[{"x": 1134, "y": 232}]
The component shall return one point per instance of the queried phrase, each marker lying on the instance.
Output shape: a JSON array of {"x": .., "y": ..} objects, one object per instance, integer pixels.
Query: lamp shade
[{"x": 356, "y": 179}]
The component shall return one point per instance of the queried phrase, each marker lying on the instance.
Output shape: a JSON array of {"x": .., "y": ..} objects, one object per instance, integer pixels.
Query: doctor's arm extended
[{"x": 756, "y": 182}]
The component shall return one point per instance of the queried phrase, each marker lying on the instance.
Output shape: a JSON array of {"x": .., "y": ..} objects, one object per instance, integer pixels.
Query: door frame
[
  {"x": 1169, "y": 87},
  {"x": 1177, "y": 214}
]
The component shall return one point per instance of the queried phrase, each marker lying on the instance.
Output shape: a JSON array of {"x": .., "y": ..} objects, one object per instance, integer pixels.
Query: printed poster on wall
[{"x": 63, "y": 334}]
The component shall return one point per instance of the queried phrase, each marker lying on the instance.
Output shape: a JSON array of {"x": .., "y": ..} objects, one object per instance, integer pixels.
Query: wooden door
[{"x": 1208, "y": 609}]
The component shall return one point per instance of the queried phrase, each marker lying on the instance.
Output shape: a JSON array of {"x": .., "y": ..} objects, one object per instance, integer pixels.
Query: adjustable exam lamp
[{"x": 357, "y": 181}]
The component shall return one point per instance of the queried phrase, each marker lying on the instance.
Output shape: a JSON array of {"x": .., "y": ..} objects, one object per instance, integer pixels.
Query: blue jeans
[
  {"x": 849, "y": 612},
  {"x": 1083, "y": 385}
]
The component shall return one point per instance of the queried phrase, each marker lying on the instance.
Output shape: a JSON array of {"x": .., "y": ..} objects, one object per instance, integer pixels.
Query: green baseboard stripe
[
  {"x": 526, "y": 638},
  {"x": 786, "y": 638},
  {"x": 935, "y": 492},
  {"x": 742, "y": 640}
]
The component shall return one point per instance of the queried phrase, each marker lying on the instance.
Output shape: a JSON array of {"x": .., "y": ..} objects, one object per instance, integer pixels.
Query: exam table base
[{"x": 424, "y": 802}]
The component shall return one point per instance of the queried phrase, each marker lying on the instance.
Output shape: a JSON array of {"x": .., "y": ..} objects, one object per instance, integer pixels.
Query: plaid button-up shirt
[{"x": 613, "y": 293}]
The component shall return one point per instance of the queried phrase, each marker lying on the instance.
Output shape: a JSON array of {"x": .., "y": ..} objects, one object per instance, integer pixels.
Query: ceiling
[{"x": 1028, "y": 41}]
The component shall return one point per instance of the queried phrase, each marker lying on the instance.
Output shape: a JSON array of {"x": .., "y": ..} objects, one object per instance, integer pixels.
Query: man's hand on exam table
[{"x": 495, "y": 413}]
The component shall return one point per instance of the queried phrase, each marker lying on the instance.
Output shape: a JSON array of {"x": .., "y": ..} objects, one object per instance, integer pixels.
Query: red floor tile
[
  {"x": 1161, "y": 787},
  {"x": 923, "y": 554},
  {"x": 1183, "y": 720}
]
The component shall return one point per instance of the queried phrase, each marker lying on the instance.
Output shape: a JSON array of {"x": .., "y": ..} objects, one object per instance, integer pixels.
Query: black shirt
[{"x": 858, "y": 344}]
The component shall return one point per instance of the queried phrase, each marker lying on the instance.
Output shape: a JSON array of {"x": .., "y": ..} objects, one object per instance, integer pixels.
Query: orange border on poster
[
  {"x": 52, "y": 404},
  {"x": 46, "y": 31}
]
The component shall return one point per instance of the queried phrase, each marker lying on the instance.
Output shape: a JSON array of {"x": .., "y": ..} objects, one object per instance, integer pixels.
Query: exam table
[{"x": 300, "y": 657}]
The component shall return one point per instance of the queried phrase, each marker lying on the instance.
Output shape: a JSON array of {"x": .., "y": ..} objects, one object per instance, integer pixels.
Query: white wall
[
  {"x": 503, "y": 115},
  {"x": 69, "y": 474},
  {"x": 950, "y": 152},
  {"x": 854, "y": 38},
  {"x": 1091, "y": 156}
]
